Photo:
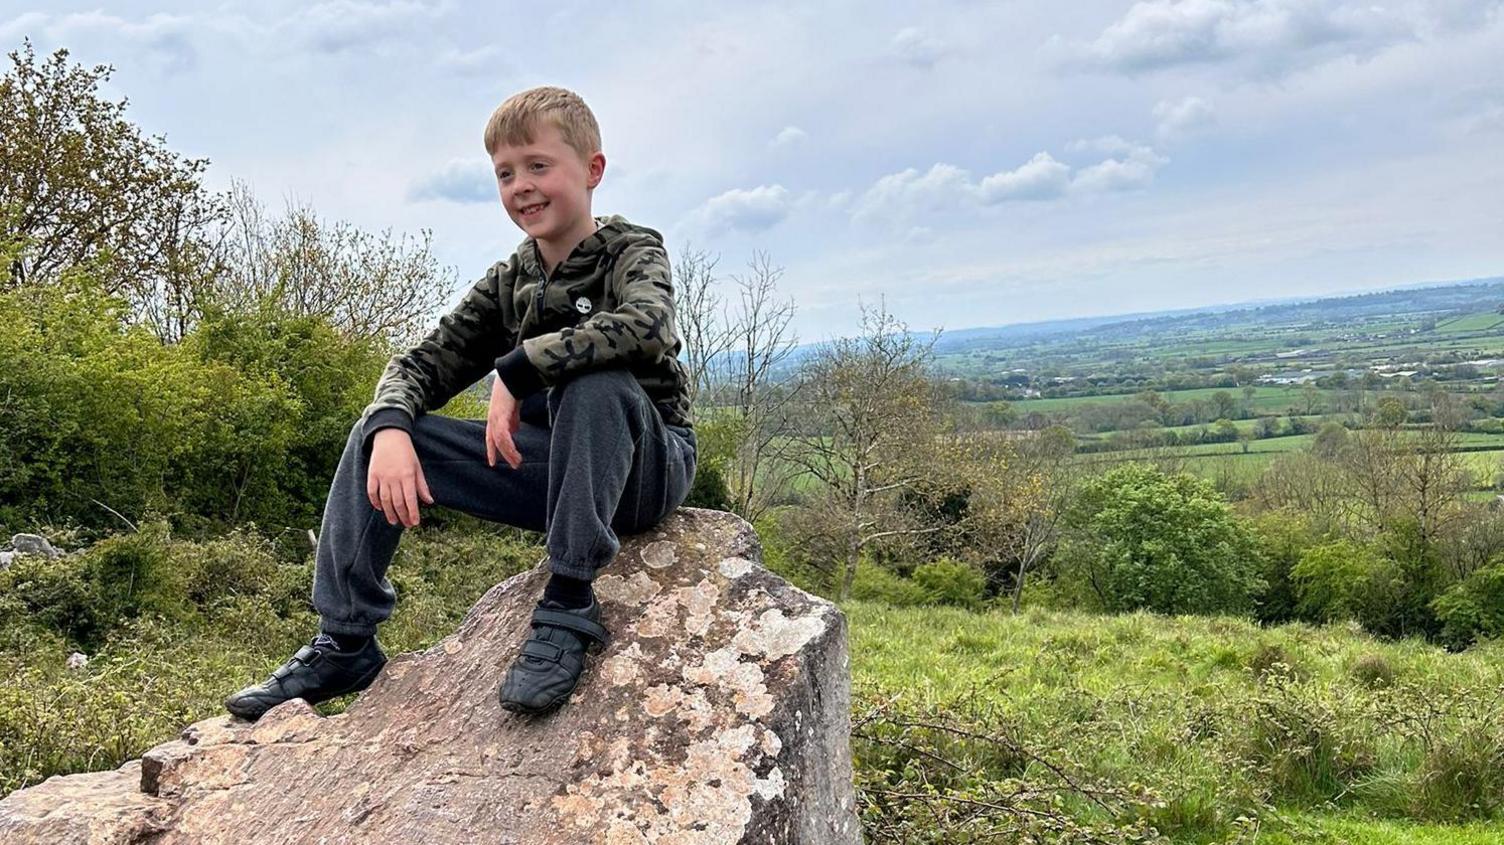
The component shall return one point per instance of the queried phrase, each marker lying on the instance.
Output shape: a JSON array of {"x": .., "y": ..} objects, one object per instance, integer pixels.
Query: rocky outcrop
[
  {"x": 27, "y": 544},
  {"x": 719, "y": 714}
]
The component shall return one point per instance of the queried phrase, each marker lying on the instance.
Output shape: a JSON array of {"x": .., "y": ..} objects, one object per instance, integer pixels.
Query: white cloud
[
  {"x": 898, "y": 196},
  {"x": 22, "y": 25},
  {"x": 483, "y": 61},
  {"x": 1275, "y": 36},
  {"x": 1179, "y": 118},
  {"x": 748, "y": 210},
  {"x": 461, "y": 180},
  {"x": 335, "y": 26},
  {"x": 164, "y": 38},
  {"x": 1132, "y": 168},
  {"x": 918, "y": 48},
  {"x": 788, "y": 136},
  {"x": 1041, "y": 177}
]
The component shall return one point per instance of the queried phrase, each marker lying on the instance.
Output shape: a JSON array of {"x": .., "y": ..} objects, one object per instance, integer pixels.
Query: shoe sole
[{"x": 356, "y": 686}]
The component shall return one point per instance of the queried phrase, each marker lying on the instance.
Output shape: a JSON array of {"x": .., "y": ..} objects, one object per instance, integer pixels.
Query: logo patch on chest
[{"x": 582, "y": 305}]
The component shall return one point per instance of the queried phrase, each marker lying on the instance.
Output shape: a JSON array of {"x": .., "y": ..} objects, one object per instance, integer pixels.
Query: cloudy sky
[{"x": 976, "y": 163}]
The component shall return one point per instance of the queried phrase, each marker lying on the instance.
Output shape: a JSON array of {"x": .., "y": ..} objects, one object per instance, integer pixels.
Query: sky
[{"x": 971, "y": 163}]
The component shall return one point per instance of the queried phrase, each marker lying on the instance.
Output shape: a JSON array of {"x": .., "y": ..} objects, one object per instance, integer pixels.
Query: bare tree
[
  {"x": 760, "y": 401},
  {"x": 367, "y": 284},
  {"x": 872, "y": 434},
  {"x": 734, "y": 362},
  {"x": 707, "y": 334}
]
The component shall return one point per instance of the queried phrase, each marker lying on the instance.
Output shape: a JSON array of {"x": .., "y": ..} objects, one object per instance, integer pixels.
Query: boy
[{"x": 589, "y": 416}]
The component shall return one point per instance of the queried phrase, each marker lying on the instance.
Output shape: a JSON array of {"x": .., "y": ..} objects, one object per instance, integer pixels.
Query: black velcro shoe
[
  {"x": 551, "y": 660},
  {"x": 318, "y": 672}
]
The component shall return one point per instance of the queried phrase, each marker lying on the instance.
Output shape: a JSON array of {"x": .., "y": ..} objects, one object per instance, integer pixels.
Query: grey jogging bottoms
[{"x": 606, "y": 463}]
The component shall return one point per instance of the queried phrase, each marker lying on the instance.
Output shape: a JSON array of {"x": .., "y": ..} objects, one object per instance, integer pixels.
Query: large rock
[
  {"x": 33, "y": 544},
  {"x": 720, "y": 714}
]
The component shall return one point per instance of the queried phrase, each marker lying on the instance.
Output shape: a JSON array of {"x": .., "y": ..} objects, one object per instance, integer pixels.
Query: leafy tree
[
  {"x": 83, "y": 187},
  {"x": 873, "y": 415},
  {"x": 1167, "y": 543},
  {"x": 1473, "y": 608}
]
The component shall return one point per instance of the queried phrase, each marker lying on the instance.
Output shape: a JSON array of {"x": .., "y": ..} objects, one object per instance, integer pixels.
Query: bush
[
  {"x": 1473, "y": 608},
  {"x": 1283, "y": 536},
  {"x": 1341, "y": 580},
  {"x": 172, "y": 625},
  {"x": 1166, "y": 543},
  {"x": 949, "y": 581},
  {"x": 244, "y": 419},
  {"x": 877, "y": 583}
]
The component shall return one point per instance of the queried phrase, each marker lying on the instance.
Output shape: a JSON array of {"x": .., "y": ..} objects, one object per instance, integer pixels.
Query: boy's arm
[
  {"x": 459, "y": 350},
  {"x": 641, "y": 328}
]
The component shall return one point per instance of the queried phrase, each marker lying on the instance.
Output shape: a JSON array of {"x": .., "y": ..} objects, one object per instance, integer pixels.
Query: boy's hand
[
  {"x": 502, "y": 418},
  {"x": 395, "y": 480}
]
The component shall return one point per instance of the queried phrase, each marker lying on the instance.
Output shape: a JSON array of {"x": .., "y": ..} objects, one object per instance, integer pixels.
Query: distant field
[
  {"x": 1472, "y": 323},
  {"x": 1266, "y": 399}
]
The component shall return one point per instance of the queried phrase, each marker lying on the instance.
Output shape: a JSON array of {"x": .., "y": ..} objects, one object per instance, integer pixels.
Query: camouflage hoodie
[{"x": 610, "y": 303}]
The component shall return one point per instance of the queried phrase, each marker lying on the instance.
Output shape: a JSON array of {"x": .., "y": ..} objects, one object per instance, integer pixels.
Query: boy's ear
[{"x": 595, "y": 169}]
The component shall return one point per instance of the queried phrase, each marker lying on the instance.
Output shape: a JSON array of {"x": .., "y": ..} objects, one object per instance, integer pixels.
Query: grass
[
  {"x": 1471, "y": 323},
  {"x": 1182, "y": 705},
  {"x": 1265, "y": 399}
]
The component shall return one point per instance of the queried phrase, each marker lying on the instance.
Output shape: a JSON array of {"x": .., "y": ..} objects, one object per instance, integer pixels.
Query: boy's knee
[{"x": 599, "y": 384}]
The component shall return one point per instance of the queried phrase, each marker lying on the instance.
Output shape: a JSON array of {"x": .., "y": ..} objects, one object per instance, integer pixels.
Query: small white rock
[{"x": 77, "y": 660}]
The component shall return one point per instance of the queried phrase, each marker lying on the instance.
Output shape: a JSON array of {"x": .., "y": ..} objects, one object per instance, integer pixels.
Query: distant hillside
[{"x": 1449, "y": 297}]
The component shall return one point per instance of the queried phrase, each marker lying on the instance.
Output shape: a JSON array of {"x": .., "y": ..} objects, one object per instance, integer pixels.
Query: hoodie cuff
[
  {"x": 518, "y": 374},
  {"x": 385, "y": 418}
]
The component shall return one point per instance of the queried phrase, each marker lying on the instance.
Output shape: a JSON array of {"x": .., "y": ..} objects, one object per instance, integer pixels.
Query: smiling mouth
[{"x": 529, "y": 212}]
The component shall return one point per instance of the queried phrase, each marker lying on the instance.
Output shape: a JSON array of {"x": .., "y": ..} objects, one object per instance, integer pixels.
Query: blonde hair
[{"x": 515, "y": 120}]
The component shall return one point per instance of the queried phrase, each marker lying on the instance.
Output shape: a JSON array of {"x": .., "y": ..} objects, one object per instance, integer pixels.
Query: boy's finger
[
  {"x": 423, "y": 487},
  {"x": 386, "y": 504},
  {"x": 410, "y": 498},
  {"x": 399, "y": 503},
  {"x": 490, "y": 448},
  {"x": 509, "y": 449},
  {"x": 371, "y": 491}
]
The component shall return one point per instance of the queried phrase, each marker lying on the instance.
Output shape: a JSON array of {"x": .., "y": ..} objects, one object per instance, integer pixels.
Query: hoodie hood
[{"x": 586, "y": 254}]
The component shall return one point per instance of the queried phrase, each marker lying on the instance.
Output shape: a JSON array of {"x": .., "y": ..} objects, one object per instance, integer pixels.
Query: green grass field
[
  {"x": 1266, "y": 399},
  {"x": 1472, "y": 323},
  {"x": 1176, "y": 703}
]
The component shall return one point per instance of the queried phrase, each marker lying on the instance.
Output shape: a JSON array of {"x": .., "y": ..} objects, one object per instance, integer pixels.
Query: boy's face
[{"x": 545, "y": 187}]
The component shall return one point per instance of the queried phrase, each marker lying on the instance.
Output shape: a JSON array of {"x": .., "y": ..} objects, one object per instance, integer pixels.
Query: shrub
[
  {"x": 244, "y": 419},
  {"x": 1166, "y": 543},
  {"x": 1473, "y": 608},
  {"x": 949, "y": 581},
  {"x": 1373, "y": 671},
  {"x": 1312, "y": 742},
  {"x": 875, "y": 582}
]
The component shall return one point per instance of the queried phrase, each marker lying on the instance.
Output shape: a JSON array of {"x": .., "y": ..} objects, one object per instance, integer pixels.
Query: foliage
[
  {"x": 87, "y": 189},
  {"x": 242, "y": 420},
  {"x": 1167, "y": 543},
  {"x": 170, "y": 626},
  {"x": 952, "y": 582},
  {"x": 1283, "y": 536},
  {"x": 1473, "y": 608}
]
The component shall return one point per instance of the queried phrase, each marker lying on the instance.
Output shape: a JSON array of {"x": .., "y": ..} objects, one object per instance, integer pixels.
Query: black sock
[{"x": 570, "y": 592}]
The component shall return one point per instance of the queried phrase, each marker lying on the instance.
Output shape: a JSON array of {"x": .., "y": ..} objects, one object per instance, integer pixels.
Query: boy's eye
[{"x": 539, "y": 165}]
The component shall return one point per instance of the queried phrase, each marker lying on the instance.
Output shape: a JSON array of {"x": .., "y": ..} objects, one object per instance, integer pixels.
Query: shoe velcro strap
[
  {"x": 570, "y": 621},
  {"x": 306, "y": 654},
  {"x": 543, "y": 650}
]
